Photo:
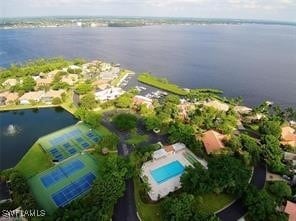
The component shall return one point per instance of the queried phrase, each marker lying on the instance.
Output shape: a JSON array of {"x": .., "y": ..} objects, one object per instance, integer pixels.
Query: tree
[
  {"x": 178, "y": 208},
  {"x": 92, "y": 118},
  {"x": 228, "y": 174},
  {"x": 110, "y": 141},
  {"x": 152, "y": 122},
  {"x": 196, "y": 180},
  {"x": 125, "y": 121},
  {"x": 234, "y": 143},
  {"x": 250, "y": 145},
  {"x": 28, "y": 84},
  {"x": 260, "y": 204},
  {"x": 56, "y": 101},
  {"x": 180, "y": 132},
  {"x": 172, "y": 99},
  {"x": 84, "y": 88},
  {"x": 280, "y": 190},
  {"x": 271, "y": 127},
  {"x": 124, "y": 101},
  {"x": 88, "y": 101},
  {"x": 273, "y": 154}
]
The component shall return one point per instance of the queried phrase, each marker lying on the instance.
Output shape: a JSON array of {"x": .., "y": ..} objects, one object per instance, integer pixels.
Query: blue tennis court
[
  {"x": 52, "y": 177},
  {"x": 73, "y": 190},
  {"x": 56, "y": 154},
  {"x": 69, "y": 148},
  {"x": 63, "y": 138},
  {"x": 61, "y": 172},
  {"x": 72, "y": 167},
  {"x": 167, "y": 171}
]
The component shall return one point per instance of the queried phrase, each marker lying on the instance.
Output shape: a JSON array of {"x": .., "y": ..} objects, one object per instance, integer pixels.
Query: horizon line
[{"x": 148, "y": 17}]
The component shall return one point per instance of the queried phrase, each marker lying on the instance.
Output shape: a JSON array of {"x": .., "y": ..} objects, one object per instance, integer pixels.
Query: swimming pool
[{"x": 167, "y": 171}]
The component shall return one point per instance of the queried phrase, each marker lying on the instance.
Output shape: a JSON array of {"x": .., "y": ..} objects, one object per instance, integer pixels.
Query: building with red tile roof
[
  {"x": 288, "y": 136},
  {"x": 290, "y": 209},
  {"x": 212, "y": 141}
]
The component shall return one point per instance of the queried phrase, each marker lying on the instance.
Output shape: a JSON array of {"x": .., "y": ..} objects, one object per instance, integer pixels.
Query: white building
[{"x": 109, "y": 94}]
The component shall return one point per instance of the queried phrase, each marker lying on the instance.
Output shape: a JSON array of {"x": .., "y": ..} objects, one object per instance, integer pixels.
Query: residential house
[
  {"x": 10, "y": 82},
  {"x": 43, "y": 81},
  {"x": 184, "y": 109},
  {"x": 141, "y": 100},
  {"x": 213, "y": 141},
  {"x": 70, "y": 79},
  {"x": 10, "y": 97},
  {"x": 288, "y": 136},
  {"x": 51, "y": 94},
  {"x": 31, "y": 96},
  {"x": 109, "y": 94},
  {"x": 242, "y": 110},
  {"x": 290, "y": 210},
  {"x": 217, "y": 105}
]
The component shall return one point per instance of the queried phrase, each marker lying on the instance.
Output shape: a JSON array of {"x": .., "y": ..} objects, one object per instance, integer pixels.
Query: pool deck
[{"x": 160, "y": 190}]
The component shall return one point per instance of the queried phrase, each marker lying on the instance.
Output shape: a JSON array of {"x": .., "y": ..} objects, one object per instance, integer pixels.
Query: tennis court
[
  {"x": 65, "y": 182},
  {"x": 69, "y": 141},
  {"x": 61, "y": 172},
  {"x": 70, "y": 192}
]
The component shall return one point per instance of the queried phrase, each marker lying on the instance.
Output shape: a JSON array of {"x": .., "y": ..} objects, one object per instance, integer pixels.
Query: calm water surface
[
  {"x": 30, "y": 124},
  {"x": 257, "y": 62}
]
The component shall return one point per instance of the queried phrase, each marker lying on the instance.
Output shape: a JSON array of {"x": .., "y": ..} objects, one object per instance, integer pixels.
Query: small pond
[{"x": 19, "y": 129}]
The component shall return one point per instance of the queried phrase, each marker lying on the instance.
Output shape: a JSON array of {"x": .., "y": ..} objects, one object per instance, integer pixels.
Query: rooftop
[
  {"x": 212, "y": 141},
  {"x": 290, "y": 209}
]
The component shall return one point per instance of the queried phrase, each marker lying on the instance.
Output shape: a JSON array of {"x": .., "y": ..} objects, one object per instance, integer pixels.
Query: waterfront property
[
  {"x": 109, "y": 94},
  {"x": 60, "y": 185},
  {"x": 164, "y": 171}
]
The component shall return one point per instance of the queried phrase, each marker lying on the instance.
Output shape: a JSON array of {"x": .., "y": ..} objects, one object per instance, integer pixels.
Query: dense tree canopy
[
  {"x": 252, "y": 147},
  {"x": 259, "y": 203},
  {"x": 84, "y": 88},
  {"x": 228, "y": 174},
  {"x": 178, "y": 208},
  {"x": 273, "y": 154},
  {"x": 125, "y": 121},
  {"x": 271, "y": 127},
  {"x": 196, "y": 180},
  {"x": 211, "y": 118},
  {"x": 88, "y": 101},
  {"x": 280, "y": 190}
]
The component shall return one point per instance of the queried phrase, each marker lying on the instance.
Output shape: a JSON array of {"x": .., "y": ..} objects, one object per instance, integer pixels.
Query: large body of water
[
  {"x": 257, "y": 62},
  {"x": 30, "y": 124}
]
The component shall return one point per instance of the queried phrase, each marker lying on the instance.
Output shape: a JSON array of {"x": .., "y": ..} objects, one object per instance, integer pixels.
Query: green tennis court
[{"x": 61, "y": 184}]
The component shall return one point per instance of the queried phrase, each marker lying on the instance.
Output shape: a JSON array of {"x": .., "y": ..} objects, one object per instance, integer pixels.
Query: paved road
[
  {"x": 237, "y": 209},
  {"x": 125, "y": 208}
]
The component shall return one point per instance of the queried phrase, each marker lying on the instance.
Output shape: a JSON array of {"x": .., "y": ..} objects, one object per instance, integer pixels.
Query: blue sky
[{"x": 249, "y": 9}]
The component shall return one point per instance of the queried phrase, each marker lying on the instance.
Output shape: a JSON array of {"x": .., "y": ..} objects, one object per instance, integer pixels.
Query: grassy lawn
[
  {"x": 161, "y": 84},
  {"x": 212, "y": 202},
  {"x": 35, "y": 161},
  {"x": 137, "y": 138},
  {"x": 147, "y": 212},
  {"x": 103, "y": 131}
]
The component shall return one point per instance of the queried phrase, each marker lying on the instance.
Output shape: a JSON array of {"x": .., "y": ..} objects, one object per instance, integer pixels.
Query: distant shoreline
[{"x": 97, "y": 22}]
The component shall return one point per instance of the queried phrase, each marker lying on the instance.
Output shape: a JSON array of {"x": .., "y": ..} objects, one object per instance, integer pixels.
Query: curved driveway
[{"x": 237, "y": 209}]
